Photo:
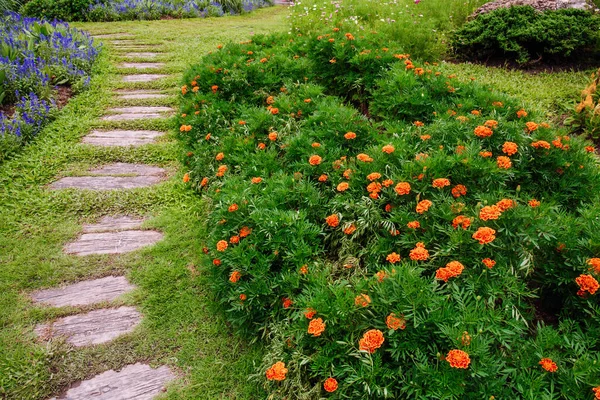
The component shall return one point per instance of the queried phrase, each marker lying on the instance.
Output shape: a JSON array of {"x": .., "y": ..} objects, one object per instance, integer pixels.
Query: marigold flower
[
  {"x": 425, "y": 137},
  {"x": 590, "y": 149},
  {"x": 381, "y": 275},
  {"x": 347, "y": 173},
  {"x": 587, "y": 283},
  {"x": 270, "y": 100},
  {"x": 349, "y": 36},
  {"x": 418, "y": 123},
  {"x": 388, "y": 148},
  {"x": 232, "y": 208},
  {"x": 374, "y": 187},
  {"x": 596, "y": 391},
  {"x": 505, "y": 204},
  {"x": 350, "y": 229},
  {"x": 483, "y": 131},
  {"x": 216, "y": 262},
  {"x": 459, "y": 190},
  {"x": 373, "y": 176},
  {"x": 330, "y": 385},
  {"x": 274, "y": 111},
  {"x": 222, "y": 245},
  {"x": 307, "y": 100},
  {"x": 333, "y": 220},
  {"x": 423, "y": 206},
  {"x": 484, "y": 235},
  {"x": 364, "y": 158},
  {"x": 350, "y": 135},
  {"x": 304, "y": 269},
  {"x": 371, "y": 340},
  {"x": 214, "y": 88},
  {"x": 235, "y": 276},
  {"x": 402, "y": 188},
  {"x": 184, "y": 89},
  {"x": 461, "y": 221},
  {"x": 419, "y": 253},
  {"x": 186, "y": 177},
  {"x": 476, "y": 112},
  {"x": 276, "y": 372},
  {"x": 548, "y": 365},
  {"x": 541, "y": 144},
  {"x": 323, "y": 178},
  {"x": 488, "y": 262},
  {"x": 342, "y": 187},
  {"x": 490, "y": 212},
  {"x": 393, "y": 257},
  {"x": 452, "y": 269},
  {"x": 394, "y": 322},
  {"x": 387, "y": 182},
  {"x": 491, "y": 123},
  {"x": 595, "y": 264},
  {"x": 262, "y": 146},
  {"x": 534, "y": 203},
  {"x": 460, "y": 149},
  {"x": 234, "y": 239},
  {"x": 256, "y": 180},
  {"x": 388, "y": 207},
  {"x": 263, "y": 60},
  {"x": 316, "y": 145},
  {"x": 521, "y": 113},
  {"x": 503, "y": 162},
  {"x": 315, "y": 160},
  {"x": 286, "y": 302},
  {"x": 497, "y": 104},
  {"x": 458, "y": 359},
  {"x": 273, "y": 136},
  {"x": 243, "y": 297},
  {"x": 221, "y": 170},
  {"x": 414, "y": 224},
  {"x": 245, "y": 231},
  {"x": 440, "y": 183},
  {"x": 316, "y": 327},
  {"x": 531, "y": 126},
  {"x": 310, "y": 313},
  {"x": 362, "y": 300},
  {"x": 510, "y": 148},
  {"x": 485, "y": 154}
]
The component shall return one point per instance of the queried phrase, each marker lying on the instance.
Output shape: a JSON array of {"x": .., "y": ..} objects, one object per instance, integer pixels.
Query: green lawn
[{"x": 181, "y": 326}]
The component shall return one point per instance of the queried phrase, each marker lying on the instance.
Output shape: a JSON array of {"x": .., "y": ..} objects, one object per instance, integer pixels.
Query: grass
[{"x": 181, "y": 326}]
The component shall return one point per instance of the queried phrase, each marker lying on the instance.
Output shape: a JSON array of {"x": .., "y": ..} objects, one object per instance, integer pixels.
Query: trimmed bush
[
  {"x": 437, "y": 242},
  {"x": 62, "y": 10},
  {"x": 522, "y": 34}
]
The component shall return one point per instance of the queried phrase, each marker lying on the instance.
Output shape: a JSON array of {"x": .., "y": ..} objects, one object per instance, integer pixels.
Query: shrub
[
  {"x": 523, "y": 34},
  {"x": 62, "y": 10},
  {"x": 454, "y": 256},
  {"x": 586, "y": 115}
]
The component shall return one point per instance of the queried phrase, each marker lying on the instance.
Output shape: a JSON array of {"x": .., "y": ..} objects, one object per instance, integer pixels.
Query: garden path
[{"x": 96, "y": 318}]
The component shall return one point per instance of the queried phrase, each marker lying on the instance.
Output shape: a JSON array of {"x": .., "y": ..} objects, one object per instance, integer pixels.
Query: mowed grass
[{"x": 182, "y": 325}]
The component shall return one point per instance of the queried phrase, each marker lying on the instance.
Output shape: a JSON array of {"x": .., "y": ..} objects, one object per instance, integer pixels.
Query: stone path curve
[{"x": 111, "y": 235}]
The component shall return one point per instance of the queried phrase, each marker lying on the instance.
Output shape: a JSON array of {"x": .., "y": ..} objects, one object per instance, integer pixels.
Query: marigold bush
[{"x": 391, "y": 286}]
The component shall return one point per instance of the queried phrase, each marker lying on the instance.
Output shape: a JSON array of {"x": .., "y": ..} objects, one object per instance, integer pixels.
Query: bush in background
[
  {"x": 522, "y": 34},
  {"x": 436, "y": 241},
  {"x": 61, "y": 10}
]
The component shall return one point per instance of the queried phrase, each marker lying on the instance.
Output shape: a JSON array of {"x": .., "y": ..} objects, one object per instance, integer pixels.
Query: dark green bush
[
  {"x": 523, "y": 34},
  {"x": 64, "y": 10}
]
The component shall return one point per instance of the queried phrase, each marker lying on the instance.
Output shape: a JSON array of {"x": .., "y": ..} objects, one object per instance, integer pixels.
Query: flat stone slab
[
  {"x": 134, "y": 382},
  {"x": 123, "y": 41},
  {"x": 143, "y": 77},
  {"x": 130, "y": 117},
  {"x": 118, "y": 223},
  {"x": 84, "y": 293},
  {"x": 121, "y": 138},
  {"x": 113, "y": 35},
  {"x": 142, "y": 95},
  {"x": 112, "y": 242},
  {"x": 105, "y": 179},
  {"x": 140, "y": 109},
  {"x": 142, "y": 65},
  {"x": 140, "y": 55},
  {"x": 95, "y": 327}
]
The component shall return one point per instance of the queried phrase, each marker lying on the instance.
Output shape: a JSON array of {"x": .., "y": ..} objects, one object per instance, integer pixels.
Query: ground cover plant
[
  {"x": 35, "y": 57},
  {"x": 585, "y": 117},
  {"x": 390, "y": 231}
]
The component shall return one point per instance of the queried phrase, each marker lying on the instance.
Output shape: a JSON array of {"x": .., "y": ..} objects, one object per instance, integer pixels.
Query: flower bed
[
  {"x": 389, "y": 231},
  {"x": 35, "y": 57}
]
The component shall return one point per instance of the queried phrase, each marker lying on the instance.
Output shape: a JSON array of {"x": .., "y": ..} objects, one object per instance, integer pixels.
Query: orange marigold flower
[
  {"x": 461, "y": 221},
  {"x": 590, "y": 149},
  {"x": 476, "y": 112},
  {"x": 343, "y": 186},
  {"x": 387, "y": 182},
  {"x": 263, "y": 60},
  {"x": 276, "y": 372},
  {"x": 418, "y": 123},
  {"x": 222, "y": 245},
  {"x": 204, "y": 182},
  {"x": 243, "y": 297},
  {"x": 596, "y": 391},
  {"x": 347, "y": 173},
  {"x": 373, "y": 176},
  {"x": 364, "y": 158},
  {"x": 503, "y": 162},
  {"x": 371, "y": 340},
  {"x": 423, "y": 206},
  {"x": 316, "y": 145},
  {"x": 323, "y": 178},
  {"x": 374, "y": 187},
  {"x": 234, "y": 239},
  {"x": 485, "y": 154},
  {"x": 350, "y": 135},
  {"x": 521, "y": 113},
  {"x": 491, "y": 123},
  {"x": 350, "y": 229},
  {"x": 458, "y": 359},
  {"x": 330, "y": 385},
  {"x": 214, "y": 88},
  {"x": 534, "y": 203},
  {"x": 315, "y": 160},
  {"x": 307, "y": 100},
  {"x": 531, "y": 126},
  {"x": 388, "y": 207},
  {"x": 483, "y": 131},
  {"x": 419, "y": 253},
  {"x": 490, "y": 212},
  {"x": 394, "y": 322},
  {"x": 362, "y": 300},
  {"x": 388, "y": 148},
  {"x": 459, "y": 190},
  {"x": 232, "y": 208},
  {"x": 184, "y": 89},
  {"x": 235, "y": 276},
  {"x": 414, "y": 224},
  {"x": 488, "y": 262},
  {"x": 452, "y": 269},
  {"x": 510, "y": 148},
  {"x": 256, "y": 180},
  {"x": 484, "y": 235},
  {"x": 393, "y": 257},
  {"x": 270, "y": 100},
  {"x": 221, "y": 170},
  {"x": 262, "y": 146},
  {"x": 595, "y": 264},
  {"x": 304, "y": 269},
  {"x": 402, "y": 188},
  {"x": 310, "y": 313},
  {"x": 273, "y": 136},
  {"x": 541, "y": 144},
  {"x": 349, "y": 36},
  {"x": 316, "y": 327},
  {"x": 548, "y": 365},
  {"x": 274, "y": 111},
  {"x": 425, "y": 137},
  {"x": 286, "y": 302},
  {"x": 186, "y": 177},
  {"x": 245, "y": 231},
  {"x": 497, "y": 104},
  {"x": 587, "y": 283},
  {"x": 440, "y": 183},
  {"x": 505, "y": 204},
  {"x": 381, "y": 275},
  {"x": 333, "y": 220},
  {"x": 219, "y": 156}
]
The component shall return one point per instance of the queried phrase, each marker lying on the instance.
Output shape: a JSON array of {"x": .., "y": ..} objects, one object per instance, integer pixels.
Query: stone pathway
[{"x": 107, "y": 320}]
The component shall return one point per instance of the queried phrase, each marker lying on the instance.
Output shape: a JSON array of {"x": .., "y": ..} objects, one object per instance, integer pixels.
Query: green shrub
[
  {"x": 307, "y": 215},
  {"x": 523, "y": 34},
  {"x": 64, "y": 10}
]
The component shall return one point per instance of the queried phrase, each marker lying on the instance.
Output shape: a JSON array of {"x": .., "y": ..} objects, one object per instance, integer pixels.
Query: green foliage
[
  {"x": 265, "y": 109},
  {"x": 585, "y": 117},
  {"x": 65, "y": 10},
  {"x": 523, "y": 34}
]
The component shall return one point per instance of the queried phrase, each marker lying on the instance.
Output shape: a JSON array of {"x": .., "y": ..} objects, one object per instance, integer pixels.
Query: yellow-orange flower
[
  {"x": 245, "y": 231},
  {"x": 423, "y": 206},
  {"x": 510, "y": 148},
  {"x": 394, "y": 322},
  {"x": 315, "y": 160},
  {"x": 371, "y": 340},
  {"x": 485, "y": 154},
  {"x": 595, "y": 264},
  {"x": 419, "y": 253},
  {"x": 333, "y": 220},
  {"x": 362, "y": 300},
  {"x": 490, "y": 212},
  {"x": 256, "y": 180},
  {"x": 304, "y": 269},
  {"x": 587, "y": 283},
  {"x": 323, "y": 178},
  {"x": 483, "y": 131},
  {"x": 458, "y": 359},
  {"x": 541, "y": 144},
  {"x": 235, "y": 276},
  {"x": 186, "y": 177},
  {"x": 521, "y": 113},
  {"x": 364, "y": 158},
  {"x": 350, "y": 135},
  {"x": 388, "y": 148},
  {"x": 548, "y": 365},
  {"x": 488, "y": 262},
  {"x": 451, "y": 270},
  {"x": 222, "y": 245},
  {"x": 491, "y": 123},
  {"x": 414, "y": 224},
  {"x": 286, "y": 302},
  {"x": 393, "y": 257},
  {"x": 402, "y": 188},
  {"x": 459, "y": 190},
  {"x": 505, "y": 204},
  {"x": 276, "y": 372},
  {"x": 316, "y": 327},
  {"x": 232, "y": 208},
  {"x": 343, "y": 186},
  {"x": 273, "y": 136},
  {"x": 462, "y": 221},
  {"x": 531, "y": 126},
  {"x": 440, "y": 183},
  {"x": 350, "y": 229},
  {"x": 596, "y": 391},
  {"x": 330, "y": 385},
  {"x": 534, "y": 203},
  {"x": 503, "y": 162},
  {"x": 484, "y": 235},
  {"x": 310, "y": 313},
  {"x": 373, "y": 176}
]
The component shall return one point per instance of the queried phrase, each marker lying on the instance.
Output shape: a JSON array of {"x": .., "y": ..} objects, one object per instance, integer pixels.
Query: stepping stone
[
  {"x": 143, "y": 77},
  {"x": 140, "y": 55},
  {"x": 109, "y": 179},
  {"x": 141, "y": 112},
  {"x": 95, "y": 327},
  {"x": 142, "y": 65},
  {"x": 123, "y": 42},
  {"x": 112, "y": 242},
  {"x": 113, "y": 35},
  {"x": 84, "y": 293},
  {"x": 140, "y": 109},
  {"x": 140, "y": 94},
  {"x": 119, "y": 223},
  {"x": 121, "y": 138},
  {"x": 134, "y": 382}
]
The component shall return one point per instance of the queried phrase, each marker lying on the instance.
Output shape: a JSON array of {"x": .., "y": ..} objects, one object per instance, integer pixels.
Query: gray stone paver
[
  {"x": 84, "y": 293},
  {"x": 121, "y": 138},
  {"x": 112, "y": 242},
  {"x": 104, "y": 178},
  {"x": 114, "y": 223},
  {"x": 143, "y": 77},
  {"x": 142, "y": 65},
  {"x": 141, "y": 54}
]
